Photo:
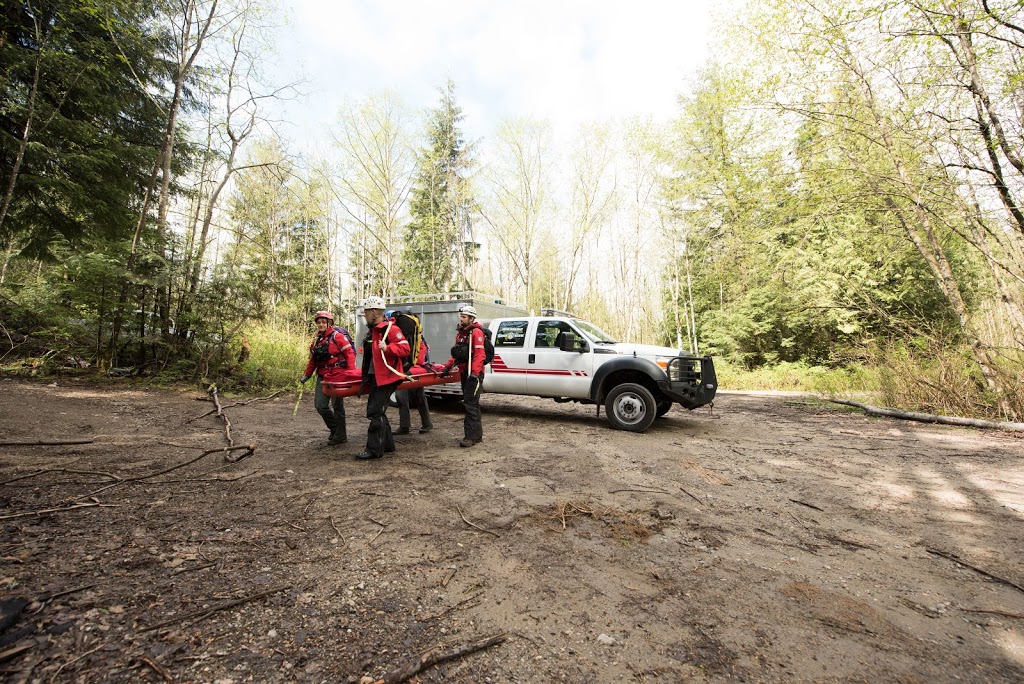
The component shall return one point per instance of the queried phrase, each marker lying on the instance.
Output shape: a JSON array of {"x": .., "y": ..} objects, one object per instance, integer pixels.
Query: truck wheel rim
[{"x": 629, "y": 408}]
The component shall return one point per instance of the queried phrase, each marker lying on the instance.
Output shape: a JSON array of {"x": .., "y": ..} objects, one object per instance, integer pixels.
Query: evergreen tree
[
  {"x": 439, "y": 238},
  {"x": 79, "y": 121}
]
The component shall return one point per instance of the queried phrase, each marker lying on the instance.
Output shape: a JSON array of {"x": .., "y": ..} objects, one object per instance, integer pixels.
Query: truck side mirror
[{"x": 568, "y": 343}]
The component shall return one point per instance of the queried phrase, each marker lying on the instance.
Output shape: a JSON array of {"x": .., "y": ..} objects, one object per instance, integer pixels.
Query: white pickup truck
[{"x": 570, "y": 359}]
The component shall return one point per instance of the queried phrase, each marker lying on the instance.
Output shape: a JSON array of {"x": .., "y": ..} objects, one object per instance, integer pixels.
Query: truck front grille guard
[{"x": 688, "y": 370}]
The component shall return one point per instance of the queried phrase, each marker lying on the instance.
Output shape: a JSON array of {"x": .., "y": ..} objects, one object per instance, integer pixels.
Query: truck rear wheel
[{"x": 630, "y": 407}]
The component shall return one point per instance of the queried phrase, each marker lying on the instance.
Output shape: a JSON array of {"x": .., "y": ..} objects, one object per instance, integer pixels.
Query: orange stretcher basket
[{"x": 421, "y": 377}]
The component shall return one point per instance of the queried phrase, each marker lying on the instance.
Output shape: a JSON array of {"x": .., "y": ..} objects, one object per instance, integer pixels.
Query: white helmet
[
  {"x": 468, "y": 310},
  {"x": 374, "y": 303}
]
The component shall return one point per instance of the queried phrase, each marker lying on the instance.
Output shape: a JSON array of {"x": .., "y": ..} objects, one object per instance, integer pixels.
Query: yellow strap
[{"x": 384, "y": 358}]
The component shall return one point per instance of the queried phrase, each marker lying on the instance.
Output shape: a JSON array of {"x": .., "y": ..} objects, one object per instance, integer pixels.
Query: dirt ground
[{"x": 773, "y": 539}]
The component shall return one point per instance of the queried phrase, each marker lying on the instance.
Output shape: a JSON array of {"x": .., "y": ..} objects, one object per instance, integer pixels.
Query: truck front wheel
[
  {"x": 663, "y": 407},
  {"x": 630, "y": 407}
]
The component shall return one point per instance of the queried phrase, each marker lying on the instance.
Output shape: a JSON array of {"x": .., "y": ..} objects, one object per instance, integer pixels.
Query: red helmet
[{"x": 324, "y": 314}]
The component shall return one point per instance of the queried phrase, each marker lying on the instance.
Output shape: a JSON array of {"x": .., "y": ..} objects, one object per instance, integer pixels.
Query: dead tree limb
[
  {"x": 929, "y": 417},
  {"x": 49, "y": 442},
  {"x": 200, "y": 614},
  {"x": 986, "y": 573},
  {"x": 1004, "y": 613},
  {"x": 435, "y": 656},
  {"x": 60, "y": 470},
  {"x": 237, "y": 403},
  {"x": 222, "y": 415},
  {"x": 47, "y": 511},
  {"x": 804, "y": 503},
  {"x": 482, "y": 529},
  {"x": 684, "y": 491},
  {"x": 167, "y": 676},
  {"x": 249, "y": 447},
  {"x": 645, "y": 491},
  {"x": 383, "y": 526}
]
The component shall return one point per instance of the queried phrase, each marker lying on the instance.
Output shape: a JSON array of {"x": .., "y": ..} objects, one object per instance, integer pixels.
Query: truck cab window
[
  {"x": 511, "y": 334},
  {"x": 548, "y": 333}
]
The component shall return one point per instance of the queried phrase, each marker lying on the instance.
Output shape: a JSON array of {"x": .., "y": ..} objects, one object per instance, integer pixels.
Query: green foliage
[
  {"x": 437, "y": 244},
  {"x": 93, "y": 127},
  {"x": 277, "y": 358},
  {"x": 800, "y": 377}
]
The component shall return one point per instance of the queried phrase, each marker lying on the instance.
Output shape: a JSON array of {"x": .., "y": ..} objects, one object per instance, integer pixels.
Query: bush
[{"x": 276, "y": 358}]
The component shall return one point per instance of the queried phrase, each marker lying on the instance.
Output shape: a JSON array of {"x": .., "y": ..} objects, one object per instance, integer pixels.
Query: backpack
[
  {"x": 460, "y": 352},
  {"x": 413, "y": 330},
  {"x": 322, "y": 352}
]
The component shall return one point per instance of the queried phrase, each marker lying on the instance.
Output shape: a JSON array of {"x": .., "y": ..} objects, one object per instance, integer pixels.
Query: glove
[
  {"x": 362, "y": 389},
  {"x": 304, "y": 378},
  {"x": 446, "y": 371}
]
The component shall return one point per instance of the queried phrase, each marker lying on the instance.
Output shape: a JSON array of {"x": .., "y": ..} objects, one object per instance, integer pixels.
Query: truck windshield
[{"x": 593, "y": 333}]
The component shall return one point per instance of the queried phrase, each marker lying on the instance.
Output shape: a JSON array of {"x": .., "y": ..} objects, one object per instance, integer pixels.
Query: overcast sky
[{"x": 567, "y": 61}]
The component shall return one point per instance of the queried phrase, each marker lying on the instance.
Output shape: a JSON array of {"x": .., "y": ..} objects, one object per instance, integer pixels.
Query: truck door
[
  {"x": 557, "y": 373},
  {"x": 507, "y": 372}
]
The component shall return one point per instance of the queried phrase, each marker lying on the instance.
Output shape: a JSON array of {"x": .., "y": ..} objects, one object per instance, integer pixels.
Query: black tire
[
  {"x": 630, "y": 407},
  {"x": 663, "y": 408}
]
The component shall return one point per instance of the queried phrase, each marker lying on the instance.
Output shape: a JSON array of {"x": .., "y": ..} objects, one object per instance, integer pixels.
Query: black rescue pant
[
  {"x": 332, "y": 410},
  {"x": 473, "y": 427},
  {"x": 379, "y": 438},
  {"x": 418, "y": 398}
]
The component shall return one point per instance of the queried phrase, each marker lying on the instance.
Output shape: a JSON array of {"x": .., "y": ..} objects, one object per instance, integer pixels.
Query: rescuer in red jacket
[
  {"x": 384, "y": 348},
  {"x": 330, "y": 352},
  {"x": 469, "y": 354}
]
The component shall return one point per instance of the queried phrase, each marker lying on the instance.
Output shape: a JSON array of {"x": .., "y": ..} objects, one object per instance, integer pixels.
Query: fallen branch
[
  {"x": 344, "y": 542},
  {"x": 47, "y": 511},
  {"x": 482, "y": 529},
  {"x": 379, "y": 532},
  {"x": 646, "y": 491},
  {"x": 449, "y": 609},
  {"x": 237, "y": 403},
  {"x": 167, "y": 677},
  {"x": 88, "y": 653},
  {"x": 1018, "y": 616},
  {"x": 49, "y": 597},
  {"x": 222, "y": 415},
  {"x": 12, "y": 652},
  {"x": 249, "y": 447},
  {"x": 200, "y": 614},
  {"x": 436, "y": 656},
  {"x": 49, "y": 442},
  {"x": 61, "y": 470},
  {"x": 690, "y": 495},
  {"x": 986, "y": 573},
  {"x": 929, "y": 417},
  {"x": 804, "y": 503}
]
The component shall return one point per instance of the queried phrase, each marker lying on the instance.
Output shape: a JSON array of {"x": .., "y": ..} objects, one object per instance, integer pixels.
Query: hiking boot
[
  {"x": 425, "y": 429},
  {"x": 366, "y": 455},
  {"x": 401, "y": 431},
  {"x": 336, "y": 440},
  {"x": 467, "y": 442}
]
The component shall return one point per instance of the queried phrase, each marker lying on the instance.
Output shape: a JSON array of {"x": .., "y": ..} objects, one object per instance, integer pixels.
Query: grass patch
[
  {"x": 798, "y": 377},
  {"x": 276, "y": 358}
]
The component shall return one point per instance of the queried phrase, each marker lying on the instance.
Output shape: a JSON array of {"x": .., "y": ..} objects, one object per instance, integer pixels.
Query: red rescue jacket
[
  {"x": 397, "y": 349},
  {"x": 474, "y": 334},
  {"x": 342, "y": 355}
]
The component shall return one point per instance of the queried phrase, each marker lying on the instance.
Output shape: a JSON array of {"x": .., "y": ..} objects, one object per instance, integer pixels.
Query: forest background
[{"x": 836, "y": 205}]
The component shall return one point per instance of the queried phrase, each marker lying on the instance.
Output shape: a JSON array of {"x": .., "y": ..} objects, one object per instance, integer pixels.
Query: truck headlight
[{"x": 663, "y": 363}]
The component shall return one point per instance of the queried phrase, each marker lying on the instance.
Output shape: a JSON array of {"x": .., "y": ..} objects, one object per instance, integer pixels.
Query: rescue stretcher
[{"x": 347, "y": 384}]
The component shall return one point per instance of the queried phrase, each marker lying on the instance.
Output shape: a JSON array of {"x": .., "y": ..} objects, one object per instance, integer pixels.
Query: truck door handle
[{"x": 532, "y": 358}]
